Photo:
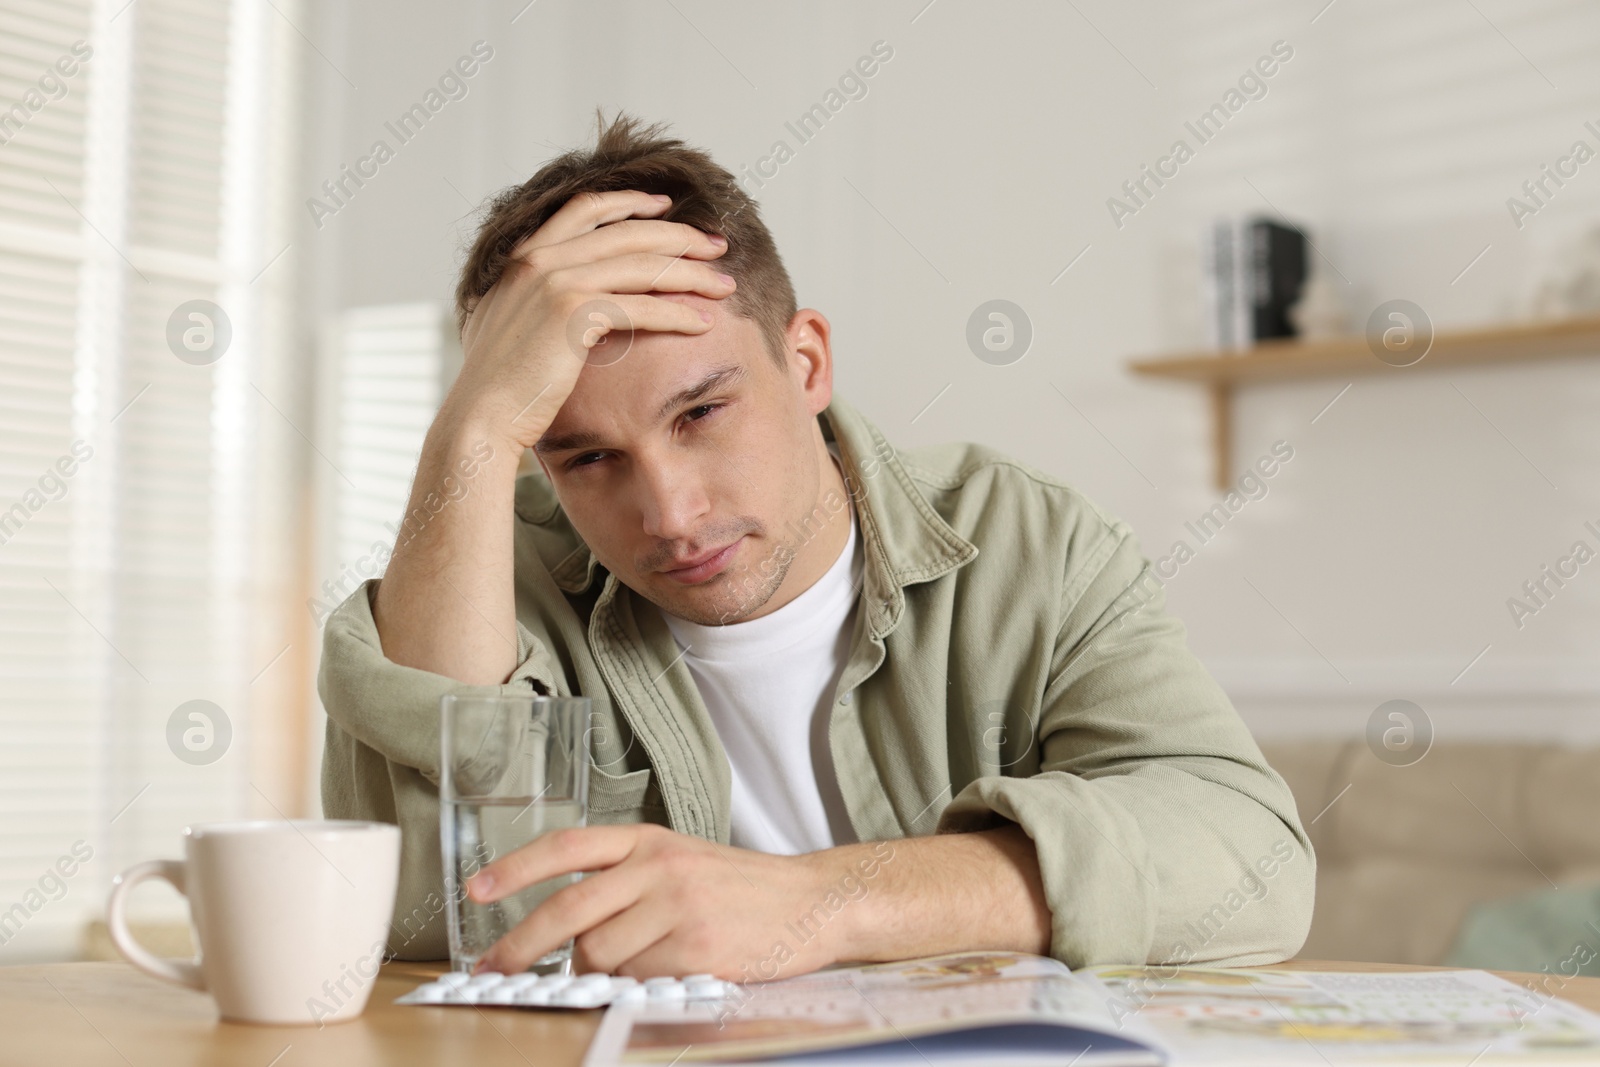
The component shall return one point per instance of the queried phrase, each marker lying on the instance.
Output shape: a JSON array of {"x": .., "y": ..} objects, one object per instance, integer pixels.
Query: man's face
[{"x": 687, "y": 463}]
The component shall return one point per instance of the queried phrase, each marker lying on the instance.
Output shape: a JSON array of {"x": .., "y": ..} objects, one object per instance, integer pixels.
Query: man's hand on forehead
[
  {"x": 602, "y": 262},
  {"x": 446, "y": 603},
  {"x": 695, "y": 301}
]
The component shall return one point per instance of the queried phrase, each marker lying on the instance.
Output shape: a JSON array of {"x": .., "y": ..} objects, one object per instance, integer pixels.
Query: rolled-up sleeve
[
  {"x": 381, "y": 755},
  {"x": 394, "y": 710},
  {"x": 1162, "y": 834}
]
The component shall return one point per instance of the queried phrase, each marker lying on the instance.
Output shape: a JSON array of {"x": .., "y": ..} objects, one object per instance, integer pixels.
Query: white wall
[{"x": 979, "y": 165}]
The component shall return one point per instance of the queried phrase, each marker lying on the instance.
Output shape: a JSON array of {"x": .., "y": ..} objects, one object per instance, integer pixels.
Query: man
[{"x": 851, "y": 704}]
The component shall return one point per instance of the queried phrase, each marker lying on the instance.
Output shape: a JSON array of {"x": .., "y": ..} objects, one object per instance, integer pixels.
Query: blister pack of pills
[{"x": 563, "y": 990}]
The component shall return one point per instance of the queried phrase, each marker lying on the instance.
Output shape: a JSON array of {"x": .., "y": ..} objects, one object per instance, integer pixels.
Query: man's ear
[{"x": 810, "y": 357}]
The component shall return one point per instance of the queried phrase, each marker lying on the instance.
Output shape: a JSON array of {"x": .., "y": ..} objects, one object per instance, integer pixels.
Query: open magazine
[{"x": 1015, "y": 1009}]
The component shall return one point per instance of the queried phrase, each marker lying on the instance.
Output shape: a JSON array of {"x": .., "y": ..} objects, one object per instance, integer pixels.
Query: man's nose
[{"x": 673, "y": 501}]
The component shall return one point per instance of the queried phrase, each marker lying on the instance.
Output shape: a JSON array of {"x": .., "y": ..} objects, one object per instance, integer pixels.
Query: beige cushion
[{"x": 1406, "y": 851}]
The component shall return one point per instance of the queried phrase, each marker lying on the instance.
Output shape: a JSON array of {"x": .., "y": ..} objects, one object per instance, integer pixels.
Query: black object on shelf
[
  {"x": 1278, "y": 256},
  {"x": 1254, "y": 271}
]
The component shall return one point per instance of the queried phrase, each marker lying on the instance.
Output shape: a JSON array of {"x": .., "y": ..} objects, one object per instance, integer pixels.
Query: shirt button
[{"x": 847, "y": 697}]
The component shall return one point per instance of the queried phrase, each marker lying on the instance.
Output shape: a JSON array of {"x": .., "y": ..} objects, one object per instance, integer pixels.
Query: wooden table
[{"x": 88, "y": 1014}]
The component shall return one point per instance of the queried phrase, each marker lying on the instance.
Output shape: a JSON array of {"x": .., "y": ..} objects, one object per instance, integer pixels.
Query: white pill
[
  {"x": 634, "y": 994},
  {"x": 623, "y": 981},
  {"x": 454, "y": 979},
  {"x": 432, "y": 993},
  {"x": 703, "y": 989},
  {"x": 554, "y": 982},
  {"x": 523, "y": 980},
  {"x": 700, "y": 978},
  {"x": 484, "y": 980},
  {"x": 534, "y": 996},
  {"x": 504, "y": 993},
  {"x": 577, "y": 997},
  {"x": 592, "y": 981},
  {"x": 669, "y": 990}
]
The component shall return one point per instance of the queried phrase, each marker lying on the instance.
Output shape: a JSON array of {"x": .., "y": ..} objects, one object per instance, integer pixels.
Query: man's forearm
[
  {"x": 945, "y": 893},
  {"x": 446, "y": 604}
]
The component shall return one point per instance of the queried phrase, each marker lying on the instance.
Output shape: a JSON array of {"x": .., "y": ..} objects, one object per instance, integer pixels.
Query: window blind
[
  {"x": 127, "y": 589},
  {"x": 52, "y": 699},
  {"x": 395, "y": 362}
]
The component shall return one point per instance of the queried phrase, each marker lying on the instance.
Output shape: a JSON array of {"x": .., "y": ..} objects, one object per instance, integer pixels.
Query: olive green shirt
[{"x": 1013, "y": 662}]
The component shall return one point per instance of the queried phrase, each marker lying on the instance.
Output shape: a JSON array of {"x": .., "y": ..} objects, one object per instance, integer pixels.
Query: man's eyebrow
[
  {"x": 567, "y": 442},
  {"x": 720, "y": 378},
  {"x": 717, "y": 379}
]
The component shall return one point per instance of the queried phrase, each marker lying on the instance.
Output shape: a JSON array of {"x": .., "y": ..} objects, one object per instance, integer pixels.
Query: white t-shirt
[{"x": 768, "y": 684}]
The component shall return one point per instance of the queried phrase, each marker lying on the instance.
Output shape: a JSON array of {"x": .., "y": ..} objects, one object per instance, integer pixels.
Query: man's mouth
[{"x": 697, "y": 569}]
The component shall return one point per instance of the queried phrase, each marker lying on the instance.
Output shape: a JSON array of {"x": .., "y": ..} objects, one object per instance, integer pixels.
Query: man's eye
[
  {"x": 585, "y": 460},
  {"x": 700, "y": 411}
]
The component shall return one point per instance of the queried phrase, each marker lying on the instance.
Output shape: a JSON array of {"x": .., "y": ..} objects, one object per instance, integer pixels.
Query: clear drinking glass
[{"x": 511, "y": 768}]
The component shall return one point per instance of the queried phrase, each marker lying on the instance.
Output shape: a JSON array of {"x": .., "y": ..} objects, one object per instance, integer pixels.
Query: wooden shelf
[{"x": 1223, "y": 372}]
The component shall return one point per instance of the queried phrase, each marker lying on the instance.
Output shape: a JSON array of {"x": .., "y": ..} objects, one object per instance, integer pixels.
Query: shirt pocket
[{"x": 624, "y": 798}]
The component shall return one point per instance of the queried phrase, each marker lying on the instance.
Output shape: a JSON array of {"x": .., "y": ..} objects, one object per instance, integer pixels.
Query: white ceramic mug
[{"x": 291, "y": 916}]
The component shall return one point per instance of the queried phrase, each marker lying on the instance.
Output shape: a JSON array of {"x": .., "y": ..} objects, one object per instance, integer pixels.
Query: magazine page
[
  {"x": 1242, "y": 1016},
  {"x": 1024, "y": 1009}
]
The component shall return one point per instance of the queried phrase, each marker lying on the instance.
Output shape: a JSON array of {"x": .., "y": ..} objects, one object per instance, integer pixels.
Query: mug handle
[{"x": 183, "y": 972}]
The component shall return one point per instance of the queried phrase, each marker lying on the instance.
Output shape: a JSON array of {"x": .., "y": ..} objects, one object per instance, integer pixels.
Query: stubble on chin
[{"x": 730, "y": 597}]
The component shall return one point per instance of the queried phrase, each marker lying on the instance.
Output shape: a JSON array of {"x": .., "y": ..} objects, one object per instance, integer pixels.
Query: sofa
[{"x": 1405, "y": 852}]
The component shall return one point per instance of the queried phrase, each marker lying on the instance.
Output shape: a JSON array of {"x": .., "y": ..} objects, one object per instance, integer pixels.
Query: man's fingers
[
  {"x": 674, "y": 955},
  {"x": 652, "y": 313},
  {"x": 585, "y": 848},
  {"x": 586, "y": 211},
  {"x": 567, "y": 913},
  {"x": 608, "y": 946},
  {"x": 649, "y": 313},
  {"x": 642, "y": 272},
  {"x": 636, "y": 235}
]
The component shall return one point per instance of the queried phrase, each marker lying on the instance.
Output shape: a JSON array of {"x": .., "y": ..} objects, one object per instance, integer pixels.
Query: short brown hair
[{"x": 630, "y": 155}]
